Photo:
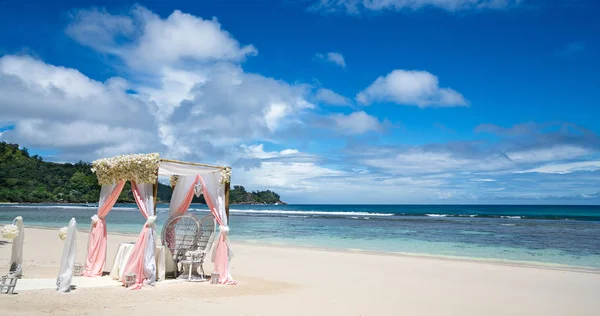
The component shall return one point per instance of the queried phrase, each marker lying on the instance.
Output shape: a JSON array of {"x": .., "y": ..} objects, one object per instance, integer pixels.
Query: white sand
[{"x": 297, "y": 281}]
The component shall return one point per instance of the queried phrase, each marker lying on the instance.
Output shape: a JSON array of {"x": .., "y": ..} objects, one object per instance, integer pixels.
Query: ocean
[{"x": 543, "y": 235}]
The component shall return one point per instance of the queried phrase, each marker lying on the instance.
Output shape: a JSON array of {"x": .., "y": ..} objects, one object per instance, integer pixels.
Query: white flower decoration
[
  {"x": 226, "y": 175},
  {"x": 198, "y": 189},
  {"x": 62, "y": 233},
  {"x": 173, "y": 181},
  {"x": 224, "y": 229},
  {"x": 141, "y": 168},
  {"x": 95, "y": 219},
  {"x": 9, "y": 231}
]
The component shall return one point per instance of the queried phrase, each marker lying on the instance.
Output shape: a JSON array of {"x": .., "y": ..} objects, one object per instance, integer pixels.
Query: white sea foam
[
  {"x": 511, "y": 217},
  {"x": 51, "y": 206},
  {"x": 72, "y": 207},
  {"x": 437, "y": 215},
  {"x": 65, "y": 207},
  {"x": 290, "y": 212}
]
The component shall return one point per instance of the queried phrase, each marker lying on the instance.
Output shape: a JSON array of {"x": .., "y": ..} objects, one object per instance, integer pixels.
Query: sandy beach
[{"x": 276, "y": 280}]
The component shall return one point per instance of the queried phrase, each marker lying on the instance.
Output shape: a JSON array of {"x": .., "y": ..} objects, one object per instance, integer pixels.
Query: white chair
[
  {"x": 195, "y": 257},
  {"x": 180, "y": 234},
  {"x": 8, "y": 283}
]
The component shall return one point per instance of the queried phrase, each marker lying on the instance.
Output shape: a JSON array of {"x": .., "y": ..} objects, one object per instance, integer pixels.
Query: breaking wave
[{"x": 313, "y": 213}]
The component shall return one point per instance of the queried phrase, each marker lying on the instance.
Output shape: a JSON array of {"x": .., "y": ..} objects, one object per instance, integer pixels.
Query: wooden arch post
[
  {"x": 155, "y": 191},
  {"x": 227, "y": 201}
]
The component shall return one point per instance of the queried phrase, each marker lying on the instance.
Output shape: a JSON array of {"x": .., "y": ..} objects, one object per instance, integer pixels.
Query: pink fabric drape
[
  {"x": 96, "y": 252},
  {"x": 137, "y": 258},
  {"x": 222, "y": 251},
  {"x": 188, "y": 198},
  {"x": 180, "y": 210}
]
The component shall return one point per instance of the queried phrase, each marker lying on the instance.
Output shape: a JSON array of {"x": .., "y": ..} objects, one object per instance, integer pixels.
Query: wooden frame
[
  {"x": 227, "y": 187},
  {"x": 155, "y": 191},
  {"x": 193, "y": 164},
  {"x": 221, "y": 168}
]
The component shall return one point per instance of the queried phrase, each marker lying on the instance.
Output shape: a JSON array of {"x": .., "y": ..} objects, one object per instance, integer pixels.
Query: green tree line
[{"x": 30, "y": 179}]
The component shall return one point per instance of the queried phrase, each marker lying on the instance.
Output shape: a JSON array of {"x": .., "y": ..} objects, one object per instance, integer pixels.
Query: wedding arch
[{"x": 143, "y": 171}]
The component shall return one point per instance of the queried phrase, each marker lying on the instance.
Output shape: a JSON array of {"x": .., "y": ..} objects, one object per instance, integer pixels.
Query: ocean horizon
[{"x": 563, "y": 235}]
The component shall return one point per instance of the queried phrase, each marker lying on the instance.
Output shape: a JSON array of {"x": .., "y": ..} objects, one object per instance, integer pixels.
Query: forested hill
[{"x": 29, "y": 179}]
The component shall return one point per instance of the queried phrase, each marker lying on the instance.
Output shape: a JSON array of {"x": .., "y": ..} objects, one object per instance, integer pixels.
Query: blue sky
[{"x": 330, "y": 101}]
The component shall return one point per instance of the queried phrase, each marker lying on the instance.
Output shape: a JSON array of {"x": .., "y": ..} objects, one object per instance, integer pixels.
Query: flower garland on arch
[
  {"x": 173, "y": 181},
  {"x": 141, "y": 168},
  {"x": 226, "y": 175}
]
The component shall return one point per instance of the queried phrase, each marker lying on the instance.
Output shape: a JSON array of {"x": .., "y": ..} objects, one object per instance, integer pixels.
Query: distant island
[{"x": 29, "y": 179}]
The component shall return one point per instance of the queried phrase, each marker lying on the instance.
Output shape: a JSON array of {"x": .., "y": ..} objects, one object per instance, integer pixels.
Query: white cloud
[
  {"x": 174, "y": 86},
  {"x": 422, "y": 160},
  {"x": 553, "y": 153},
  {"x": 565, "y": 168},
  {"x": 196, "y": 102},
  {"x": 418, "y": 161},
  {"x": 356, "y": 123},
  {"x": 276, "y": 170},
  {"x": 238, "y": 106},
  {"x": 101, "y": 30},
  {"x": 286, "y": 152},
  {"x": 422, "y": 175},
  {"x": 333, "y": 57},
  {"x": 189, "y": 67},
  {"x": 331, "y": 98},
  {"x": 60, "y": 108},
  {"x": 41, "y": 133},
  {"x": 355, "y": 7},
  {"x": 182, "y": 36},
  {"x": 295, "y": 177},
  {"x": 410, "y": 87},
  {"x": 31, "y": 88},
  {"x": 83, "y": 140},
  {"x": 152, "y": 40}
]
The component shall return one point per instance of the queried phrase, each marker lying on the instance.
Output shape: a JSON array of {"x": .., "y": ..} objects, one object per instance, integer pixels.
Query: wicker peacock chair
[
  {"x": 194, "y": 257},
  {"x": 180, "y": 234}
]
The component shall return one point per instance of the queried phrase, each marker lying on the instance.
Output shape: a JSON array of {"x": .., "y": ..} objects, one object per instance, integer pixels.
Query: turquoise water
[{"x": 564, "y": 235}]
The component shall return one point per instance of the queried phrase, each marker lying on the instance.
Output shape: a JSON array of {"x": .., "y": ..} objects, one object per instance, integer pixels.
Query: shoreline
[
  {"x": 425, "y": 256},
  {"x": 499, "y": 262}
]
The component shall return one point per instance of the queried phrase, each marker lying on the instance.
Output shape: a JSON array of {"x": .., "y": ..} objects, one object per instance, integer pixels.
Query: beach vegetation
[{"x": 30, "y": 179}]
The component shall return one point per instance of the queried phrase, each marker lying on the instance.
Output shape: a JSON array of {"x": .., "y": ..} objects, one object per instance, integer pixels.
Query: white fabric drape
[
  {"x": 164, "y": 263},
  {"x": 216, "y": 189},
  {"x": 150, "y": 259},
  {"x": 167, "y": 168},
  {"x": 105, "y": 191},
  {"x": 16, "y": 256},
  {"x": 147, "y": 192},
  {"x": 179, "y": 193},
  {"x": 65, "y": 275},
  {"x": 216, "y": 192}
]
